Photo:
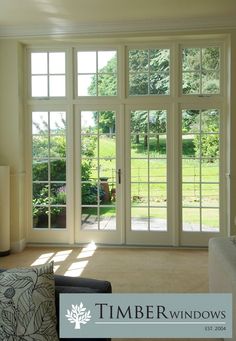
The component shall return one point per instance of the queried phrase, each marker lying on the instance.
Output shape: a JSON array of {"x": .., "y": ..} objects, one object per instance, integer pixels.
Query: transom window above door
[
  {"x": 201, "y": 71},
  {"x": 149, "y": 72},
  {"x": 97, "y": 73},
  {"x": 48, "y": 74}
]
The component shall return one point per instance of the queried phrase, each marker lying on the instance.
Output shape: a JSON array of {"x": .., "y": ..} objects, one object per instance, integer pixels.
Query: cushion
[{"x": 27, "y": 304}]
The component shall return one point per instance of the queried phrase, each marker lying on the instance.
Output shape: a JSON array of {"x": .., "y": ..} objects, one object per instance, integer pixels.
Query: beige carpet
[{"x": 133, "y": 270}]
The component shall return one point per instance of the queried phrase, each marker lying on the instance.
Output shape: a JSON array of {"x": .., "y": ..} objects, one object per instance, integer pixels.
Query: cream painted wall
[
  {"x": 233, "y": 135},
  {"x": 11, "y": 134},
  {"x": 12, "y": 130}
]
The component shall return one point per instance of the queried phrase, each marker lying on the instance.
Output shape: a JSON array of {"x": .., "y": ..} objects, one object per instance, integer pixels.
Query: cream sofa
[{"x": 222, "y": 270}]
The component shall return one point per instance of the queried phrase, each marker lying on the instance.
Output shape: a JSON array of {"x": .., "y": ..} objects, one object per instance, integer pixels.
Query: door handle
[{"x": 119, "y": 176}]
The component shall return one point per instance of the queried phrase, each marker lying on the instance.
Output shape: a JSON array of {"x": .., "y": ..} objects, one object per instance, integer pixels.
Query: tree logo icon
[{"x": 78, "y": 315}]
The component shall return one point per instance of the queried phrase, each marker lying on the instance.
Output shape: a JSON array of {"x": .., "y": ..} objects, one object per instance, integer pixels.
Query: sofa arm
[{"x": 99, "y": 285}]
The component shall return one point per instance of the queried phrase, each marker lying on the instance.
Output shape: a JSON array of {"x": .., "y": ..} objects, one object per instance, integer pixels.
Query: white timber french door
[
  {"x": 147, "y": 154},
  {"x": 99, "y": 174}
]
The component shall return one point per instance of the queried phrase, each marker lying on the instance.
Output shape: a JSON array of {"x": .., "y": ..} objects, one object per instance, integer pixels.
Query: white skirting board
[{"x": 4, "y": 210}]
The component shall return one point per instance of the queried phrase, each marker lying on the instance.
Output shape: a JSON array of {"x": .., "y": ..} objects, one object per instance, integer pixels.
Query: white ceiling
[{"x": 32, "y": 17}]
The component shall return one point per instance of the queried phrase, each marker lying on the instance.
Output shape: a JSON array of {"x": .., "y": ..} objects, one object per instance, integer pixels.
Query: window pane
[
  {"x": 159, "y": 83},
  {"x": 140, "y": 219},
  {"x": 40, "y": 147},
  {"x": 89, "y": 218},
  {"x": 139, "y": 170},
  {"x": 191, "y": 219},
  {"x": 86, "y": 62},
  {"x": 107, "y": 218},
  {"x": 201, "y": 70},
  {"x": 210, "y": 121},
  {"x": 157, "y": 170},
  {"x": 139, "y": 194},
  {"x": 191, "y": 170},
  {"x": 139, "y": 122},
  {"x": 210, "y": 195},
  {"x": 85, "y": 85},
  {"x": 159, "y": 60},
  {"x": 158, "y": 194},
  {"x": 57, "y": 146},
  {"x": 138, "y": 60},
  {"x": 107, "y": 146},
  {"x": 40, "y": 122},
  {"x": 191, "y": 83},
  {"x": 57, "y": 86},
  {"x": 39, "y": 64},
  {"x": 157, "y": 121},
  {"x": 107, "y": 59},
  {"x": 57, "y": 123},
  {"x": 210, "y": 220},
  {"x": 191, "y": 59},
  {"x": 58, "y": 217},
  {"x": 57, "y": 63},
  {"x": 210, "y": 171},
  {"x": 107, "y": 169},
  {"x": 138, "y": 84},
  {"x": 40, "y": 170},
  {"x": 158, "y": 219},
  {"x": 39, "y": 86},
  {"x": 90, "y": 193},
  {"x": 107, "y": 84},
  {"x": 58, "y": 170},
  {"x": 210, "y": 82},
  {"x": 211, "y": 58},
  {"x": 88, "y": 122},
  {"x": 191, "y": 195}
]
